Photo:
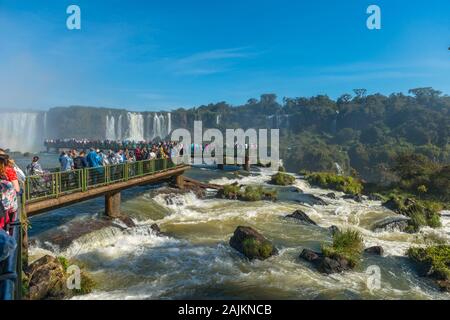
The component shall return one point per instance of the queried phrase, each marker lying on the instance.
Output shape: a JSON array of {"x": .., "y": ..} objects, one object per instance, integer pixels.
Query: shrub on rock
[
  {"x": 252, "y": 244},
  {"x": 282, "y": 179},
  {"x": 435, "y": 263}
]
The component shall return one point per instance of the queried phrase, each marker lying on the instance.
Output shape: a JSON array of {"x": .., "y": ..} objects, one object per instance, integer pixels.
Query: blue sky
[{"x": 160, "y": 55}]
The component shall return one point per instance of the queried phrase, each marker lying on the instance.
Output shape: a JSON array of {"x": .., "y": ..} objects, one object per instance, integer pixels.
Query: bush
[
  {"x": 346, "y": 244},
  {"x": 333, "y": 181},
  {"x": 436, "y": 258},
  {"x": 282, "y": 179},
  {"x": 422, "y": 213},
  {"x": 252, "y": 193},
  {"x": 231, "y": 191},
  {"x": 254, "y": 248}
]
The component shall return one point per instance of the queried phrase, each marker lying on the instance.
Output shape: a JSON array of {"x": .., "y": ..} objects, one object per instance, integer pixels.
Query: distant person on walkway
[
  {"x": 80, "y": 162},
  {"x": 35, "y": 168},
  {"x": 93, "y": 159},
  {"x": 66, "y": 162}
]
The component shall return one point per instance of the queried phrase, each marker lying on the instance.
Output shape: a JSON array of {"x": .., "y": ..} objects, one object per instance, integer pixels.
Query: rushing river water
[{"x": 194, "y": 260}]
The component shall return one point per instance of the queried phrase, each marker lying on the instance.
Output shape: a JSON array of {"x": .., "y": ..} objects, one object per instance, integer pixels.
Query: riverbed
[{"x": 193, "y": 259}]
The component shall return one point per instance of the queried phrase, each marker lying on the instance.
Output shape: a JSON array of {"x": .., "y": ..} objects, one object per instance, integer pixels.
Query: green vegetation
[
  {"x": 422, "y": 212},
  {"x": 87, "y": 284},
  {"x": 231, "y": 191},
  {"x": 254, "y": 248},
  {"x": 282, "y": 179},
  {"x": 249, "y": 193},
  {"x": 437, "y": 261},
  {"x": 347, "y": 245},
  {"x": 333, "y": 181}
]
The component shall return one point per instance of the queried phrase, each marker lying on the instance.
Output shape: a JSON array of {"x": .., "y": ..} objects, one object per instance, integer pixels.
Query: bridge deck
[{"x": 59, "y": 189}]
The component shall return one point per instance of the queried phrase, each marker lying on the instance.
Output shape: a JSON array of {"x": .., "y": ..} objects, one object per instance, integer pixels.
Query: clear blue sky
[{"x": 159, "y": 55}]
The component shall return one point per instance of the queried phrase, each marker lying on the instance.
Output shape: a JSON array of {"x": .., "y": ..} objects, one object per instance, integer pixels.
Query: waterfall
[
  {"x": 169, "y": 126},
  {"x": 119, "y": 128},
  {"x": 45, "y": 132},
  {"x": 339, "y": 169},
  {"x": 135, "y": 126},
  {"x": 21, "y": 131},
  {"x": 218, "y": 120},
  {"x": 110, "y": 128}
]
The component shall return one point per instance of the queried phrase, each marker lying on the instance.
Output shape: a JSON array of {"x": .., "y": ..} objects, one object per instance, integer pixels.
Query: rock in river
[
  {"x": 47, "y": 279},
  {"x": 299, "y": 215},
  {"x": 252, "y": 244},
  {"x": 325, "y": 264},
  {"x": 399, "y": 223},
  {"x": 376, "y": 250}
]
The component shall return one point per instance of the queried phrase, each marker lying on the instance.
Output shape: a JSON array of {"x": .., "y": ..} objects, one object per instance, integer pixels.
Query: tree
[{"x": 360, "y": 93}]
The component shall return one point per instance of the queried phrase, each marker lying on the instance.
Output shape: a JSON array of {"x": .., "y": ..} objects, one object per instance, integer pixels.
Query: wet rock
[
  {"x": 157, "y": 230},
  {"x": 399, "y": 223},
  {"x": 127, "y": 221},
  {"x": 330, "y": 266},
  {"x": 311, "y": 200},
  {"x": 376, "y": 250},
  {"x": 331, "y": 195},
  {"x": 375, "y": 197},
  {"x": 333, "y": 230},
  {"x": 47, "y": 279},
  {"x": 357, "y": 198},
  {"x": 252, "y": 244},
  {"x": 310, "y": 255},
  {"x": 302, "y": 217}
]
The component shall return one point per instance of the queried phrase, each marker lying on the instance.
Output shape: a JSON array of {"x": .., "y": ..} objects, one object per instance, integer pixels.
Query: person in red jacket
[{"x": 8, "y": 173}]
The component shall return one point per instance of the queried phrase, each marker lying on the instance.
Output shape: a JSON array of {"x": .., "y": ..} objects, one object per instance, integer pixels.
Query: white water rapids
[{"x": 194, "y": 259}]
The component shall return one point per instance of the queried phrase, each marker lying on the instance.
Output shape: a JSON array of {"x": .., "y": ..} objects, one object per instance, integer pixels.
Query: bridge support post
[
  {"x": 179, "y": 181},
  {"x": 112, "y": 204},
  {"x": 247, "y": 164}
]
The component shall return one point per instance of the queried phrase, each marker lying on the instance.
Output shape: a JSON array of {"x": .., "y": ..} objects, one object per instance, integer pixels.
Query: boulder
[
  {"x": 333, "y": 230},
  {"x": 326, "y": 265},
  {"x": 47, "y": 279},
  {"x": 399, "y": 223},
  {"x": 252, "y": 244},
  {"x": 374, "y": 197},
  {"x": 299, "y": 215},
  {"x": 331, "y": 195},
  {"x": 354, "y": 197},
  {"x": 376, "y": 250},
  {"x": 156, "y": 229},
  {"x": 311, "y": 200},
  {"x": 310, "y": 255},
  {"x": 336, "y": 265},
  {"x": 127, "y": 221}
]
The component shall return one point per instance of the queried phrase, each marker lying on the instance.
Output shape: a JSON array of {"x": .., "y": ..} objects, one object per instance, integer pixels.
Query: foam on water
[{"x": 195, "y": 261}]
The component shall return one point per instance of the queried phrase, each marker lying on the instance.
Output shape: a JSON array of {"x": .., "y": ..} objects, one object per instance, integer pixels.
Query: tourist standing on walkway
[
  {"x": 35, "y": 168},
  {"x": 80, "y": 162},
  {"x": 66, "y": 162},
  {"x": 9, "y": 188}
]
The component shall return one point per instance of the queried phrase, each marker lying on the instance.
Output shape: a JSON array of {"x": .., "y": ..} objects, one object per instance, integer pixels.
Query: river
[{"x": 194, "y": 260}]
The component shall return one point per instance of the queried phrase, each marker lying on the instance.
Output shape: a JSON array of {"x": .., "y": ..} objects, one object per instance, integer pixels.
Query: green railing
[{"x": 55, "y": 184}]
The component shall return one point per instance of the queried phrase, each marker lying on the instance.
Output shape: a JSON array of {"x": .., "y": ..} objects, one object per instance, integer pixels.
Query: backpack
[
  {"x": 8, "y": 201},
  {"x": 78, "y": 163}
]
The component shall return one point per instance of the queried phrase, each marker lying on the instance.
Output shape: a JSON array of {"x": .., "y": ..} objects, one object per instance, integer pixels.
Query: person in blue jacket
[{"x": 95, "y": 161}]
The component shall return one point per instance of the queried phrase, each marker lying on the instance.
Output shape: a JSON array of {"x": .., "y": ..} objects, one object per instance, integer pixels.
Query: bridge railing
[
  {"x": 11, "y": 268},
  {"x": 55, "y": 184}
]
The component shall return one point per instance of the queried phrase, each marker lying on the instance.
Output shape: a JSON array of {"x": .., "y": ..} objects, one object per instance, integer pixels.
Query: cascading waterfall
[
  {"x": 135, "y": 126},
  {"x": 119, "y": 128},
  {"x": 169, "y": 126},
  {"x": 110, "y": 128},
  {"x": 22, "y": 131}
]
